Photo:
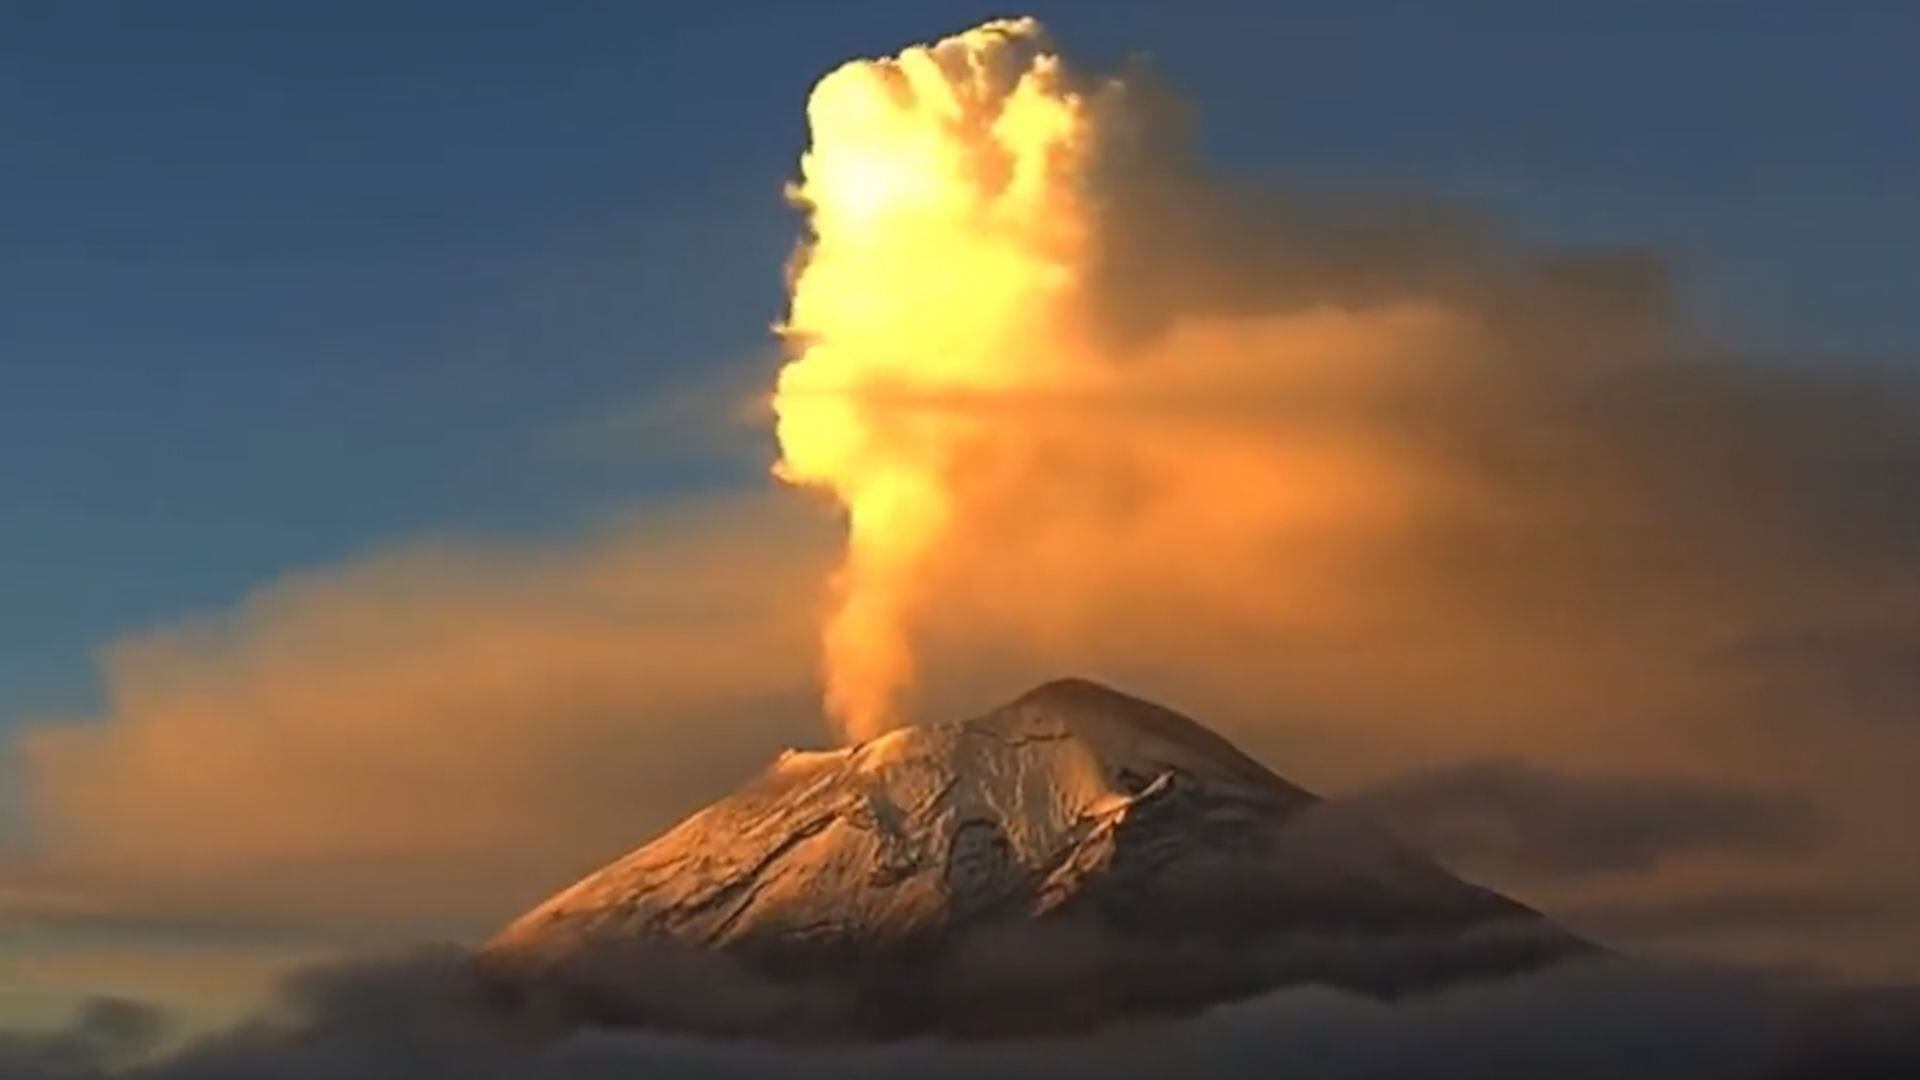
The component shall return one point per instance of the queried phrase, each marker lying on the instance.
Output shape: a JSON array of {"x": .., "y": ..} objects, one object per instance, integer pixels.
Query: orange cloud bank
[{"x": 428, "y": 736}]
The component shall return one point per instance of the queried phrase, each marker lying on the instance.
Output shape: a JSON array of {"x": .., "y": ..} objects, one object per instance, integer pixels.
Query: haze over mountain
[{"x": 1073, "y": 856}]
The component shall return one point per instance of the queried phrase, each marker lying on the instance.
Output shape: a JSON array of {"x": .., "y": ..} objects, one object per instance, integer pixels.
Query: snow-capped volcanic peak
[{"x": 1072, "y": 805}]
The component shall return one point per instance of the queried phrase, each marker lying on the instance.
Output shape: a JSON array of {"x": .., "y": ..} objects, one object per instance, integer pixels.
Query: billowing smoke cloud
[
  {"x": 1065, "y": 383},
  {"x": 944, "y": 192}
]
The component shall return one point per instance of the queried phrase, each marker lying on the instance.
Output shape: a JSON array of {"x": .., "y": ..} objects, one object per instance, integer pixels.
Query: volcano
[{"x": 1075, "y": 856}]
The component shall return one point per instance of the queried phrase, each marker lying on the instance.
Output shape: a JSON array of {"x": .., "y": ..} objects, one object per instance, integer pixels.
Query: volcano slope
[{"x": 1068, "y": 859}]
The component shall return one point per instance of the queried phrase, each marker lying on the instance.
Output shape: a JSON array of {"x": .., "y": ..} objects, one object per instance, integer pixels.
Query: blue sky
[{"x": 284, "y": 283}]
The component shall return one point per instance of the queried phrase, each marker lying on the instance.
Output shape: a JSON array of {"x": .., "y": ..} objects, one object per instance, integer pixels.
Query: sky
[
  {"x": 397, "y": 319},
  {"x": 289, "y": 283}
]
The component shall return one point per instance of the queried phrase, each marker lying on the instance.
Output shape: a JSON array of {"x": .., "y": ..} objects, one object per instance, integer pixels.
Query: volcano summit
[{"x": 1071, "y": 857}]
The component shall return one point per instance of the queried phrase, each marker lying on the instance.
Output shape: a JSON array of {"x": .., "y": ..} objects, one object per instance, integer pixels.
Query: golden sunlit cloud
[
  {"x": 950, "y": 320},
  {"x": 943, "y": 189},
  {"x": 430, "y": 733}
]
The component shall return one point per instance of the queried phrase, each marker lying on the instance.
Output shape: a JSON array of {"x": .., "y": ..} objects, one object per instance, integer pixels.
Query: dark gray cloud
[
  {"x": 1684, "y": 918},
  {"x": 1003, "y": 981},
  {"x": 424, "y": 1017},
  {"x": 108, "y": 1033},
  {"x": 1521, "y": 818},
  {"x": 1849, "y": 671}
]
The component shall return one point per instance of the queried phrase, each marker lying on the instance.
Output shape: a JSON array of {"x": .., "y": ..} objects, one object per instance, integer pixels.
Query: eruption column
[{"x": 944, "y": 188}]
